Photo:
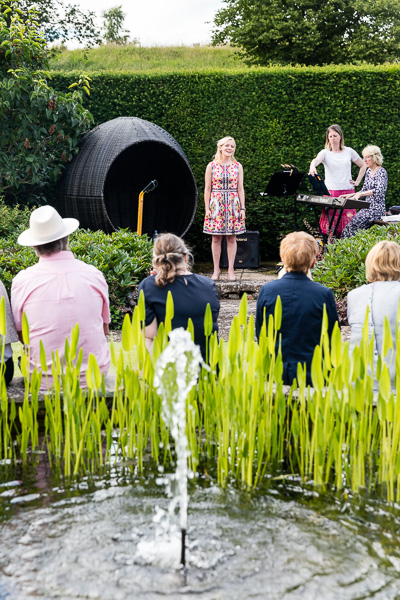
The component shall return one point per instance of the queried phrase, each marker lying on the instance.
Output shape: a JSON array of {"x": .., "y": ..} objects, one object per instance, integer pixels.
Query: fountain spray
[{"x": 176, "y": 373}]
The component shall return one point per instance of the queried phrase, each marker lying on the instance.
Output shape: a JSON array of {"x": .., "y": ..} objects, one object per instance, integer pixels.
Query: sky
[{"x": 162, "y": 22}]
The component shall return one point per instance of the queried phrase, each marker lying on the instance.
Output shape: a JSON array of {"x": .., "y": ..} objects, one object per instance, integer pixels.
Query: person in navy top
[
  {"x": 303, "y": 303},
  {"x": 190, "y": 292}
]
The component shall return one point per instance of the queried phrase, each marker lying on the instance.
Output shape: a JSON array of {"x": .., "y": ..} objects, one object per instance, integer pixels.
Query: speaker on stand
[{"x": 248, "y": 251}]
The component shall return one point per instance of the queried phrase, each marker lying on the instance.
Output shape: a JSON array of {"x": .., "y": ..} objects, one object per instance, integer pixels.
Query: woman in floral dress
[
  {"x": 374, "y": 190},
  {"x": 224, "y": 203}
]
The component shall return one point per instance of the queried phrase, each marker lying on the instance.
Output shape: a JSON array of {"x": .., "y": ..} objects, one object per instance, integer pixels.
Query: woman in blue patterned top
[{"x": 374, "y": 189}]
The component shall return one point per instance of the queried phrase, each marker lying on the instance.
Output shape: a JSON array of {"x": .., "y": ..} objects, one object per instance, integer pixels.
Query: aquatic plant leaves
[
  {"x": 384, "y": 382},
  {"x": 74, "y": 341},
  {"x": 127, "y": 334},
  {"x": 239, "y": 417},
  {"x": 190, "y": 328},
  {"x": 243, "y": 310},
  {"x": 2, "y": 317},
  {"x": 387, "y": 342},
  {"x": 317, "y": 376},
  {"x": 278, "y": 313},
  {"x": 270, "y": 335},
  {"x": 25, "y": 330},
  {"x": 208, "y": 322},
  {"x": 141, "y": 307},
  {"x": 43, "y": 358},
  {"x": 169, "y": 313},
  {"x": 336, "y": 346},
  {"x": 93, "y": 373}
]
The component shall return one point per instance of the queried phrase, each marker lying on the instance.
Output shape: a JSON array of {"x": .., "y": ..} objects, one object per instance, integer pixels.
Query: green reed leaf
[
  {"x": 74, "y": 341},
  {"x": 66, "y": 350},
  {"x": 379, "y": 364},
  {"x": 127, "y": 334},
  {"x": 3, "y": 326},
  {"x": 141, "y": 307},
  {"x": 169, "y": 313},
  {"x": 93, "y": 373},
  {"x": 13, "y": 411},
  {"x": 381, "y": 408},
  {"x": 278, "y": 314},
  {"x": 208, "y": 321},
  {"x": 316, "y": 369},
  {"x": 324, "y": 324},
  {"x": 43, "y": 358},
  {"x": 243, "y": 310},
  {"x": 79, "y": 360},
  {"x": 336, "y": 346},
  {"x": 387, "y": 337},
  {"x": 301, "y": 375},
  {"x": 25, "y": 330},
  {"x": 270, "y": 335},
  {"x": 24, "y": 365},
  {"x": 113, "y": 352},
  {"x": 278, "y": 368},
  {"x": 190, "y": 326},
  {"x": 359, "y": 399},
  {"x": 384, "y": 382}
]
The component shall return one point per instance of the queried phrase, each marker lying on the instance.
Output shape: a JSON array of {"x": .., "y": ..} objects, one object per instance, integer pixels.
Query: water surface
[{"x": 96, "y": 539}]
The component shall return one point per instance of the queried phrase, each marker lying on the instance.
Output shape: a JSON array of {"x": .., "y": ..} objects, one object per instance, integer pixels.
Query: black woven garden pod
[{"x": 115, "y": 162}]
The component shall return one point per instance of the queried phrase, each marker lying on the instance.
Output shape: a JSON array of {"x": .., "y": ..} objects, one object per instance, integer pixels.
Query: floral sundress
[{"x": 224, "y": 201}]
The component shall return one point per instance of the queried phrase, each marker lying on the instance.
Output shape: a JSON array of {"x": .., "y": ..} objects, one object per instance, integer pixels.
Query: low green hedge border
[{"x": 343, "y": 267}]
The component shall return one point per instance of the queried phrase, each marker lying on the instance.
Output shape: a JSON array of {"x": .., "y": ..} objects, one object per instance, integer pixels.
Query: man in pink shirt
[{"x": 58, "y": 292}]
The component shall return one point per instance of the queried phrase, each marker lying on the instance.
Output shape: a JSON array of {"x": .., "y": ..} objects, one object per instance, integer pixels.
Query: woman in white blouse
[{"x": 337, "y": 160}]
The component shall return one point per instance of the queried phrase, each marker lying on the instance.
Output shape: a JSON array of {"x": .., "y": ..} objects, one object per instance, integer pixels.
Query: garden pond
[{"x": 96, "y": 538}]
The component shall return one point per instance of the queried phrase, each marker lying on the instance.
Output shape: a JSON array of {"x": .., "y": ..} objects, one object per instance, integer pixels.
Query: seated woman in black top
[{"x": 190, "y": 292}]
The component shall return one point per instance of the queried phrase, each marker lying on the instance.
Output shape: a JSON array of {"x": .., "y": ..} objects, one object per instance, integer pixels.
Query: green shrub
[
  {"x": 123, "y": 257},
  {"x": 13, "y": 219},
  {"x": 343, "y": 267}
]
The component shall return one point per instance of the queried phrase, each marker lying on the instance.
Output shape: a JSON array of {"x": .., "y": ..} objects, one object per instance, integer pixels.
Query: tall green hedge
[{"x": 276, "y": 115}]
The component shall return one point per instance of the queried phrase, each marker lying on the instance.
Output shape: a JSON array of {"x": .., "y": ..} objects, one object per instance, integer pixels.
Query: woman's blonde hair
[
  {"x": 339, "y": 131},
  {"x": 383, "y": 262},
  {"x": 169, "y": 258},
  {"x": 221, "y": 142},
  {"x": 298, "y": 251},
  {"x": 375, "y": 152}
]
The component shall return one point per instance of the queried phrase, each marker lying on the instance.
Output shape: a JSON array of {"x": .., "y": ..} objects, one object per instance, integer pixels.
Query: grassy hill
[{"x": 111, "y": 57}]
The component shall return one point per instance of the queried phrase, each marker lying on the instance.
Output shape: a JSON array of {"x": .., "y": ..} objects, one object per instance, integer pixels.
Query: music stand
[
  {"x": 318, "y": 185},
  {"x": 283, "y": 184}
]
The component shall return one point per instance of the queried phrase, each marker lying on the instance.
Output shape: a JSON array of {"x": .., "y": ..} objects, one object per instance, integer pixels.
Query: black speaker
[{"x": 248, "y": 251}]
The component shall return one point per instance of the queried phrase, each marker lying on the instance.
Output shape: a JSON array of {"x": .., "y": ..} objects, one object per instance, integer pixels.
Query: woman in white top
[
  {"x": 382, "y": 296},
  {"x": 337, "y": 159}
]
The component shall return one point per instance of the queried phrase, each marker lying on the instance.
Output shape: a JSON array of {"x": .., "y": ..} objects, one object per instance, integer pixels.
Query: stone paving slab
[{"x": 247, "y": 281}]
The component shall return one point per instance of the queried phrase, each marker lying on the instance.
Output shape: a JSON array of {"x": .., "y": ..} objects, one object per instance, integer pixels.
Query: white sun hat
[{"x": 46, "y": 225}]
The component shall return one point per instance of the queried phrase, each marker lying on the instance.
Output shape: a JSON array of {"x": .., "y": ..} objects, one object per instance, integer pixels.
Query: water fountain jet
[{"x": 176, "y": 373}]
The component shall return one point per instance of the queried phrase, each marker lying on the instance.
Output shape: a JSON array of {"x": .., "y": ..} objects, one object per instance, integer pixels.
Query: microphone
[{"x": 150, "y": 186}]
